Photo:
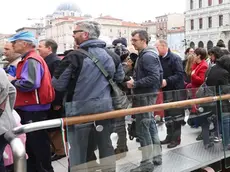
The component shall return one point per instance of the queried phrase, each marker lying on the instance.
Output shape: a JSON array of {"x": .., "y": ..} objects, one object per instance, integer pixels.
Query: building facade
[
  {"x": 61, "y": 30},
  {"x": 175, "y": 39},
  {"x": 207, "y": 22},
  {"x": 168, "y": 22}
]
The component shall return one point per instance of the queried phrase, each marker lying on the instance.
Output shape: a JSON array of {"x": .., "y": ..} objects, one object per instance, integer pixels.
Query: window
[
  {"x": 209, "y": 2},
  {"x": 220, "y": 1},
  {"x": 192, "y": 24},
  {"x": 220, "y": 20},
  {"x": 209, "y": 22},
  {"x": 200, "y": 23},
  {"x": 191, "y": 4},
  {"x": 200, "y": 3}
]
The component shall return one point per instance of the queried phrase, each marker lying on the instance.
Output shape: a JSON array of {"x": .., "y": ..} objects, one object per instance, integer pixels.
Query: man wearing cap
[{"x": 34, "y": 96}]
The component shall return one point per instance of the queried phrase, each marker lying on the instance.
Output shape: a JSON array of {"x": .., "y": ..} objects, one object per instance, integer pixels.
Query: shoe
[
  {"x": 157, "y": 160},
  {"x": 120, "y": 153},
  {"x": 217, "y": 139},
  {"x": 166, "y": 141},
  {"x": 209, "y": 145},
  {"x": 157, "y": 163},
  {"x": 56, "y": 157},
  {"x": 173, "y": 144},
  {"x": 199, "y": 137},
  {"x": 147, "y": 167},
  {"x": 120, "y": 150}
]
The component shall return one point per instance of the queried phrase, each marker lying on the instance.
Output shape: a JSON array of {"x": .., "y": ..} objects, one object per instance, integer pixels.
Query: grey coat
[{"x": 8, "y": 93}]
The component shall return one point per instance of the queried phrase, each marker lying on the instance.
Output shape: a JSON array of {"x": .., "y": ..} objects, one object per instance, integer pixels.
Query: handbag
[
  {"x": 204, "y": 90},
  {"x": 119, "y": 98}
]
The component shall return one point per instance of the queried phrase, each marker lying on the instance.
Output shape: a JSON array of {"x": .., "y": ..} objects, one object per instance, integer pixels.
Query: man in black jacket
[
  {"x": 146, "y": 82},
  {"x": 172, "y": 83},
  {"x": 47, "y": 50}
]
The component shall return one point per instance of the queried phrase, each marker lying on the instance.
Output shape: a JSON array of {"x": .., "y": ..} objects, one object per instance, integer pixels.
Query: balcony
[{"x": 225, "y": 29}]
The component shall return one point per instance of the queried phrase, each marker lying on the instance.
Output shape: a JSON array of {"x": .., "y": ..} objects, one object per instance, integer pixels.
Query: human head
[
  {"x": 23, "y": 42},
  {"x": 121, "y": 51},
  {"x": 220, "y": 44},
  {"x": 200, "y": 54},
  {"x": 46, "y": 47},
  {"x": 215, "y": 53},
  {"x": 132, "y": 60},
  {"x": 9, "y": 53},
  {"x": 140, "y": 39},
  {"x": 121, "y": 40},
  {"x": 162, "y": 47},
  {"x": 85, "y": 30},
  {"x": 189, "y": 51}
]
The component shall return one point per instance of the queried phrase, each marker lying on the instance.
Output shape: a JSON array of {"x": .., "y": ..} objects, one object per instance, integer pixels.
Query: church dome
[{"x": 70, "y": 6}]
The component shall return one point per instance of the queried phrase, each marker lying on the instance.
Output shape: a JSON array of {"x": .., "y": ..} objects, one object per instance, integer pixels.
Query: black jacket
[
  {"x": 219, "y": 77},
  {"x": 173, "y": 71},
  {"x": 174, "y": 76},
  {"x": 52, "y": 62}
]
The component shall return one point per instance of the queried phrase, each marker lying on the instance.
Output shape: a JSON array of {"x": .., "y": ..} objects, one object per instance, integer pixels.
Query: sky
[{"x": 14, "y": 13}]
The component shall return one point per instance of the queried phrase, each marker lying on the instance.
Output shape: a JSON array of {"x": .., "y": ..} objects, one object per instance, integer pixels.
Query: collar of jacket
[
  {"x": 92, "y": 43},
  {"x": 168, "y": 54},
  {"x": 49, "y": 57}
]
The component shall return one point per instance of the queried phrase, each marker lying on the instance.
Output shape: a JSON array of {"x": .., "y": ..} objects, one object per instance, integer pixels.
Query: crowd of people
[{"x": 39, "y": 86}]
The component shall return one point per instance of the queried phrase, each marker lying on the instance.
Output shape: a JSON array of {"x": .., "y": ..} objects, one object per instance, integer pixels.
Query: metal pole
[
  {"x": 18, "y": 151},
  {"x": 35, "y": 126}
]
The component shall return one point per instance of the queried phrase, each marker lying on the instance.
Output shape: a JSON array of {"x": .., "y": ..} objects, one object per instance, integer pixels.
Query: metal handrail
[
  {"x": 95, "y": 117},
  {"x": 18, "y": 150},
  {"x": 35, "y": 126}
]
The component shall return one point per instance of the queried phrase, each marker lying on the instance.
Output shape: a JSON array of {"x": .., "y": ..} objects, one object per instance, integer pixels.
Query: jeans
[
  {"x": 147, "y": 131},
  {"x": 226, "y": 130},
  {"x": 78, "y": 136}
]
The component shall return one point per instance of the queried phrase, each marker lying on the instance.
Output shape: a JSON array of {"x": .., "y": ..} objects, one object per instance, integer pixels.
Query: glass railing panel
[
  {"x": 130, "y": 141},
  {"x": 224, "y": 109}
]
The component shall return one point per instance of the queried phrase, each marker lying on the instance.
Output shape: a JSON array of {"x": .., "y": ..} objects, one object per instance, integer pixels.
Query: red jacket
[
  {"x": 45, "y": 94},
  {"x": 198, "y": 74}
]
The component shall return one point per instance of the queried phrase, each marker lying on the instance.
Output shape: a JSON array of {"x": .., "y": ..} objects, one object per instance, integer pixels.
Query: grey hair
[
  {"x": 30, "y": 43},
  {"x": 164, "y": 42},
  {"x": 92, "y": 27}
]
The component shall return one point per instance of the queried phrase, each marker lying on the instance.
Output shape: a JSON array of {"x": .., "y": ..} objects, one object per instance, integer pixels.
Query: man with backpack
[{"x": 88, "y": 92}]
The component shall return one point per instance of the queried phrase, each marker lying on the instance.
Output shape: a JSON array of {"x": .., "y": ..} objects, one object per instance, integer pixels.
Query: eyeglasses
[
  {"x": 76, "y": 31},
  {"x": 135, "y": 40}
]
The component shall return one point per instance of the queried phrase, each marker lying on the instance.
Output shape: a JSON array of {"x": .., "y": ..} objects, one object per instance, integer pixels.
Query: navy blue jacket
[{"x": 148, "y": 73}]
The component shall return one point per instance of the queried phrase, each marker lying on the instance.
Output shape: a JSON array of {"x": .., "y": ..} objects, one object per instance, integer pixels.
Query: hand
[
  {"x": 193, "y": 72},
  {"x": 130, "y": 83},
  {"x": 164, "y": 83},
  {"x": 11, "y": 78},
  {"x": 58, "y": 107}
]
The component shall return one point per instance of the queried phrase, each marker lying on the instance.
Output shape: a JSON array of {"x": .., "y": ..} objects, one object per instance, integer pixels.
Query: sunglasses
[{"x": 76, "y": 31}]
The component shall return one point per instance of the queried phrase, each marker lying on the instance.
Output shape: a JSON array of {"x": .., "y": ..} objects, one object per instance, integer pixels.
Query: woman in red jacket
[{"x": 199, "y": 69}]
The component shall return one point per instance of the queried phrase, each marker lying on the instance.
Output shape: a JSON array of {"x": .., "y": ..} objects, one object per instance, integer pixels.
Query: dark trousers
[
  {"x": 3, "y": 143},
  {"x": 174, "y": 131},
  {"x": 120, "y": 129},
  {"x": 37, "y": 143}
]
